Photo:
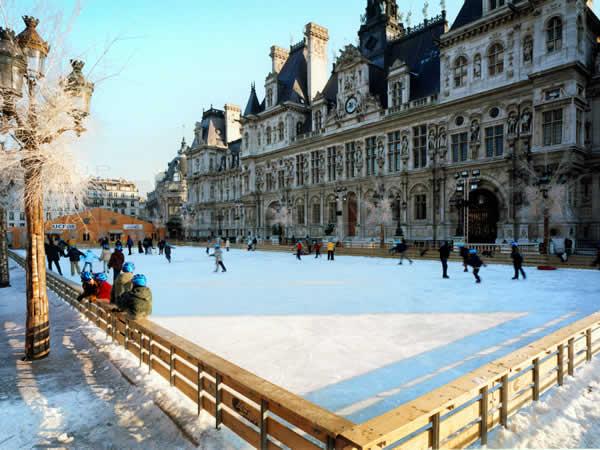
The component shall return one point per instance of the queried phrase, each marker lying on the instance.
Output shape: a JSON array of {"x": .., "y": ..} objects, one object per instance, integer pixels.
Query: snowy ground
[
  {"x": 77, "y": 398},
  {"x": 358, "y": 336}
]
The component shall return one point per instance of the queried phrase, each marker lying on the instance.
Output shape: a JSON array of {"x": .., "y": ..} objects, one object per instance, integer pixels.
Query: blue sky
[{"x": 172, "y": 59}]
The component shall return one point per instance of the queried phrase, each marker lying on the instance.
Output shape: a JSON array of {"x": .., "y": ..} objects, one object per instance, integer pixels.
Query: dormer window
[
  {"x": 397, "y": 93},
  {"x": 554, "y": 35},
  {"x": 318, "y": 120},
  {"x": 496, "y": 60},
  {"x": 299, "y": 127},
  {"x": 494, "y": 4},
  {"x": 460, "y": 71},
  {"x": 269, "y": 97}
]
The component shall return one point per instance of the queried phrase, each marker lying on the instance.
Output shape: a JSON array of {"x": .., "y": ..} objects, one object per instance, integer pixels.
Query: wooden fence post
[
  {"x": 200, "y": 387},
  {"x": 504, "y": 401},
  {"x": 561, "y": 364},
  {"x": 435, "y": 431},
  {"x": 141, "y": 343},
  {"x": 126, "y": 343},
  {"x": 150, "y": 354},
  {"x": 264, "y": 408},
  {"x": 484, "y": 415},
  {"x": 171, "y": 364},
  {"x": 536, "y": 379},
  {"x": 218, "y": 416},
  {"x": 571, "y": 351},
  {"x": 588, "y": 342}
]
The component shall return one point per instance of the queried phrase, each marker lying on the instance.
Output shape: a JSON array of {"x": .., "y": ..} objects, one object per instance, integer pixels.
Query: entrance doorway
[
  {"x": 483, "y": 217},
  {"x": 352, "y": 214}
]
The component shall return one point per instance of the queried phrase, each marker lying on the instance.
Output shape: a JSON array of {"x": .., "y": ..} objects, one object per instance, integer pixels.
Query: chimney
[
  {"x": 232, "y": 122},
  {"x": 316, "y": 38},
  {"x": 278, "y": 58}
]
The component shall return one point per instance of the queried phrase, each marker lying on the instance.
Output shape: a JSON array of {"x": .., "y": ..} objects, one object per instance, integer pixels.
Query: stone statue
[
  {"x": 475, "y": 131},
  {"x": 404, "y": 145},
  {"x": 477, "y": 66},
  {"x": 431, "y": 141},
  {"x": 526, "y": 122},
  {"x": 512, "y": 124},
  {"x": 442, "y": 144},
  {"x": 380, "y": 154},
  {"x": 528, "y": 49},
  {"x": 339, "y": 162}
]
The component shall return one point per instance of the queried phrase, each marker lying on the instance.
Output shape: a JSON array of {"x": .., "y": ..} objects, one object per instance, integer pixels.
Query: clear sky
[{"x": 174, "y": 58}]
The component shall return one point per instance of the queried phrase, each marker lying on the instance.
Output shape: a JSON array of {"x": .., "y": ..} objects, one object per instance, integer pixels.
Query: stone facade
[
  {"x": 487, "y": 130},
  {"x": 120, "y": 196}
]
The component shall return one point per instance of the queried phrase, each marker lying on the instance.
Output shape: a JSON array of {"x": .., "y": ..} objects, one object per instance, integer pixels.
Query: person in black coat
[
  {"x": 74, "y": 256},
  {"x": 444, "y": 255},
  {"x": 517, "y": 260},
  {"x": 140, "y": 247},
  {"x": 475, "y": 262},
  {"x": 464, "y": 254},
  {"x": 53, "y": 255},
  {"x": 596, "y": 261}
]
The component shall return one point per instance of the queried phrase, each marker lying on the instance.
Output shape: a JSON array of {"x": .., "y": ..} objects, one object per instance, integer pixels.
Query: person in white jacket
[
  {"x": 218, "y": 254},
  {"x": 105, "y": 257}
]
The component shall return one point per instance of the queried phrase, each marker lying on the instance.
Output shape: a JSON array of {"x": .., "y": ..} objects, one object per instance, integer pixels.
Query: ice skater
[
  {"x": 475, "y": 262},
  {"x": 116, "y": 261},
  {"x": 218, "y": 254},
  {"x": 167, "y": 250},
  {"x": 444, "y": 255},
  {"x": 105, "y": 257},
  {"x": 330, "y": 251},
  {"x": 317, "y": 249},
  {"x": 227, "y": 244},
  {"x": 401, "y": 248},
  {"x": 596, "y": 262},
  {"x": 299, "y": 251},
  {"x": 88, "y": 261},
  {"x": 129, "y": 244},
  {"x": 517, "y": 260},
  {"x": 464, "y": 254}
]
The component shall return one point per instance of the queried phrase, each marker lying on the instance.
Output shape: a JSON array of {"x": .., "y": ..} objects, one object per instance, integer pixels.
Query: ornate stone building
[
  {"x": 486, "y": 130},
  {"x": 165, "y": 204}
]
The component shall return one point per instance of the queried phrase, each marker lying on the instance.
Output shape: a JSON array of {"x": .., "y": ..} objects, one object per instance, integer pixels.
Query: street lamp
[
  {"x": 466, "y": 182},
  {"x": 34, "y": 48}
]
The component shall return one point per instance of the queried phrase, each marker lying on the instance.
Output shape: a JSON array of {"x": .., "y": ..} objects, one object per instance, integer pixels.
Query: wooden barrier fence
[{"x": 268, "y": 417}]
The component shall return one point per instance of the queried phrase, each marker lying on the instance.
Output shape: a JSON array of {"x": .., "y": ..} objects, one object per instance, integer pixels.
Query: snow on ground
[
  {"x": 566, "y": 417},
  {"x": 358, "y": 336},
  {"x": 77, "y": 398}
]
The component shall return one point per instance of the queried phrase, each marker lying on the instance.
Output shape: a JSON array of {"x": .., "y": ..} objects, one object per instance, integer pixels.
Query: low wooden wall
[{"x": 269, "y": 417}]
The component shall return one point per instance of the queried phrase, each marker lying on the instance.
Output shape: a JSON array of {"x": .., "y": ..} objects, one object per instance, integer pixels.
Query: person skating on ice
[
  {"x": 475, "y": 262},
  {"x": 517, "y": 260},
  {"x": 402, "y": 248},
  {"x": 140, "y": 247},
  {"x": 218, "y": 255},
  {"x": 330, "y": 251},
  {"x": 299, "y": 251},
  {"x": 464, "y": 254},
  {"x": 116, "y": 261},
  {"x": 168, "y": 248},
  {"x": 444, "y": 255},
  {"x": 129, "y": 244},
  {"x": 317, "y": 248}
]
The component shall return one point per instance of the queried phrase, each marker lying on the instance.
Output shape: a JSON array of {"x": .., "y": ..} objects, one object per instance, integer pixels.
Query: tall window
[
  {"x": 269, "y": 181},
  {"x": 246, "y": 139},
  {"x": 316, "y": 213},
  {"x": 350, "y": 166},
  {"x": 314, "y": 167},
  {"x": 300, "y": 213},
  {"x": 299, "y": 128},
  {"x": 258, "y": 139},
  {"x": 394, "y": 148},
  {"x": 397, "y": 94},
  {"x": 331, "y": 172},
  {"x": 371, "y": 147},
  {"x": 332, "y": 210},
  {"x": 554, "y": 35},
  {"x": 460, "y": 147},
  {"x": 496, "y": 59},
  {"x": 421, "y": 207},
  {"x": 269, "y": 131},
  {"x": 318, "y": 120},
  {"x": 552, "y": 122},
  {"x": 420, "y": 146},
  {"x": 281, "y": 179},
  {"x": 280, "y": 131},
  {"x": 269, "y": 98},
  {"x": 300, "y": 170},
  {"x": 496, "y": 4},
  {"x": 494, "y": 141},
  {"x": 460, "y": 71},
  {"x": 578, "y": 127}
]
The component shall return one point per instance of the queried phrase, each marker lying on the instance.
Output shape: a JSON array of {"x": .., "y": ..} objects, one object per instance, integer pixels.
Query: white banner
[
  {"x": 133, "y": 226},
  {"x": 64, "y": 226}
]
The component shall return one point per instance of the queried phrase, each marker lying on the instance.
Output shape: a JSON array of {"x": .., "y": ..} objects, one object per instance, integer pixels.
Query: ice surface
[{"x": 358, "y": 336}]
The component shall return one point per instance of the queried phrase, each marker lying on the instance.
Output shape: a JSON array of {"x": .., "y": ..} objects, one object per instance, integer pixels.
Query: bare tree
[{"x": 42, "y": 114}]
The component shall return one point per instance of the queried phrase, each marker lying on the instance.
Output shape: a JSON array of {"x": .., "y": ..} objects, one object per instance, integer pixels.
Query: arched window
[
  {"x": 269, "y": 136},
  {"x": 460, "y": 71},
  {"x": 280, "y": 131},
  {"x": 318, "y": 120},
  {"x": 496, "y": 60},
  {"x": 397, "y": 89},
  {"x": 554, "y": 35},
  {"x": 299, "y": 127},
  {"x": 269, "y": 97}
]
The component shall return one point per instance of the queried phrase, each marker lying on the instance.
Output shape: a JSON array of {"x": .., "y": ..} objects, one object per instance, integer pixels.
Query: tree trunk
[
  {"x": 37, "y": 340},
  {"x": 4, "y": 273}
]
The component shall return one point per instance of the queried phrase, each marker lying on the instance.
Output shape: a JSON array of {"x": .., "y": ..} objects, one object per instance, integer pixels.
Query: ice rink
[{"x": 358, "y": 336}]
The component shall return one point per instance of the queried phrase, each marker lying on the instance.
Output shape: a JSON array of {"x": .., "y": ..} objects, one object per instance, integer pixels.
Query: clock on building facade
[{"x": 351, "y": 105}]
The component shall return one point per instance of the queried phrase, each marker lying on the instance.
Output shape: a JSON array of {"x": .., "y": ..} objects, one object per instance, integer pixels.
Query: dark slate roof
[
  {"x": 378, "y": 83},
  {"x": 235, "y": 146},
  {"x": 470, "y": 12},
  {"x": 253, "y": 105},
  {"x": 292, "y": 79},
  {"x": 419, "y": 51},
  {"x": 330, "y": 90}
]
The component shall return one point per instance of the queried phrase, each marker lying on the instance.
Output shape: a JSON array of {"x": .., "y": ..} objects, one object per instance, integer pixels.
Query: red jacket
[
  {"x": 104, "y": 289},
  {"x": 299, "y": 246}
]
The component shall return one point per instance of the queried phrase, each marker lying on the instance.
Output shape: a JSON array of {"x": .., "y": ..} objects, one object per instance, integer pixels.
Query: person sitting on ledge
[
  {"x": 137, "y": 302},
  {"x": 104, "y": 288},
  {"x": 123, "y": 282},
  {"x": 90, "y": 287}
]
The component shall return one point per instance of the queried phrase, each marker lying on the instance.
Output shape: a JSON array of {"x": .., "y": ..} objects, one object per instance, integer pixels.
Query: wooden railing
[
  {"x": 269, "y": 417},
  {"x": 261, "y": 413}
]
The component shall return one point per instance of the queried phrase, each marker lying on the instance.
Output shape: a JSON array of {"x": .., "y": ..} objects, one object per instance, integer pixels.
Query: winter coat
[
  {"x": 445, "y": 251},
  {"x": 129, "y": 242},
  {"x": 89, "y": 257},
  {"x": 122, "y": 284},
  {"x": 517, "y": 258},
  {"x": 475, "y": 261},
  {"x": 52, "y": 252},
  {"x": 161, "y": 244},
  {"x": 330, "y": 246},
  {"x": 105, "y": 255},
  {"x": 227, "y": 243},
  {"x": 168, "y": 251},
  {"x": 464, "y": 253},
  {"x": 137, "y": 302},
  {"x": 104, "y": 290},
  {"x": 401, "y": 247},
  {"x": 299, "y": 247},
  {"x": 116, "y": 261},
  {"x": 218, "y": 255},
  {"x": 140, "y": 247},
  {"x": 90, "y": 291},
  {"x": 74, "y": 254}
]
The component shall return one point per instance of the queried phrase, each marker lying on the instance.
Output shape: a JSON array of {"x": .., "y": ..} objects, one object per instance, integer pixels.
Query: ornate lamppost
[
  {"x": 22, "y": 66},
  {"x": 466, "y": 182}
]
